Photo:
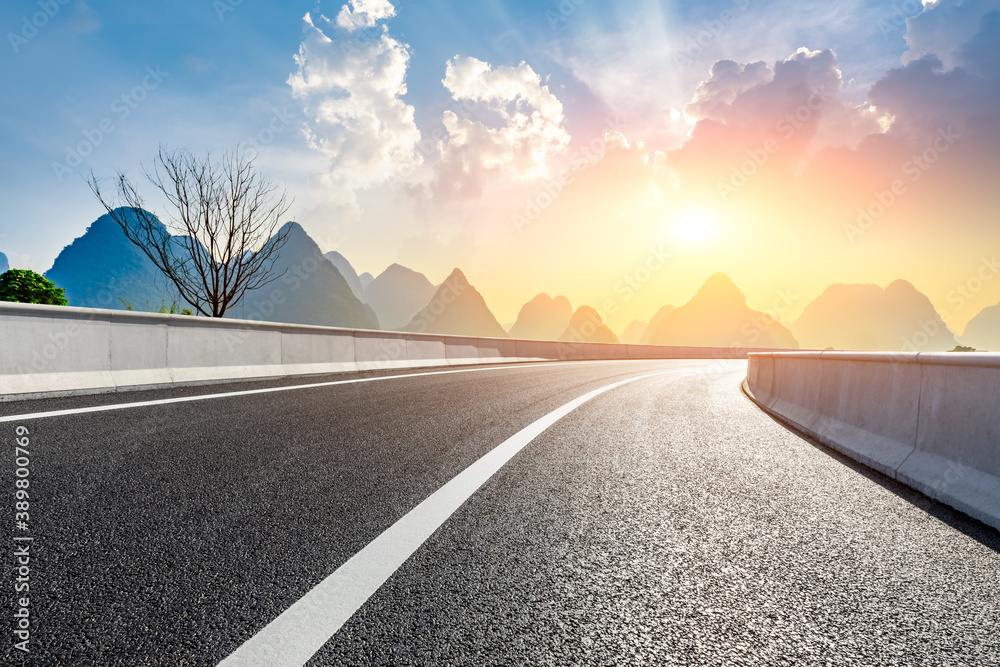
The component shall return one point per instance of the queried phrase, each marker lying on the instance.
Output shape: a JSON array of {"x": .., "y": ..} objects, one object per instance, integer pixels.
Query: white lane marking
[
  {"x": 296, "y": 634},
  {"x": 248, "y": 392}
]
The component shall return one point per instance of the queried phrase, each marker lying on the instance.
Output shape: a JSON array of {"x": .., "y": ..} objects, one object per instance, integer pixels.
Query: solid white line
[
  {"x": 268, "y": 390},
  {"x": 296, "y": 634}
]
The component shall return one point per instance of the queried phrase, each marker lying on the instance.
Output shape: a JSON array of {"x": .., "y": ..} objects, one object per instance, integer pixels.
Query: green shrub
[{"x": 23, "y": 286}]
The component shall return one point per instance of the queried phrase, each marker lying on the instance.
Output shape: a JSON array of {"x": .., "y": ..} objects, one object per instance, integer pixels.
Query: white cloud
[
  {"x": 714, "y": 96},
  {"x": 641, "y": 58},
  {"x": 351, "y": 85},
  {"x": 801, "y": 92},
  {"x": 529, "y": 132},
  {"x": 942, "y": 28},
  {"x": 925, "y": 97},
  {"x": 364, "y": 13}
]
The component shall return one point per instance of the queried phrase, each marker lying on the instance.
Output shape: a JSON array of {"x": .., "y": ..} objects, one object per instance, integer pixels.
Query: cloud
[
  {"x": 522, "y": 126},
  {"x": 798, "y": 108},
  {"x": 641, "y": 58},
  {"x": 778, "y": 117},
  {"x": 753, "y": 95},
  {"x": 944, "y": 27},
  {"x": 926, "y": 95},
  {"x": 727, "y": 80},
  {"x": 351, "y": 84},
  {"x": 364, "y": 13}
]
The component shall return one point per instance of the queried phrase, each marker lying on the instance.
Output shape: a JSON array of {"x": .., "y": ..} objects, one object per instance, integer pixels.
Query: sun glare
[{"x": 693, "y": 225}]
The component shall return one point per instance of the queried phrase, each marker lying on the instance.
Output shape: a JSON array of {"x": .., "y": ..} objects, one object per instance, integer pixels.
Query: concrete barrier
[
  {"x": 532, "y": 350},
  {"x": 929, "y": 420},
  {"x": 613, "y": 351},
  {"x": 424, "y": 351},
  {"x": 315, "y": 350},
  {"x": 638, "y": 351},
  {"x": 567, "y": 350},
  {"x": 138, "y": 350},
  {"x": 54, "y": 349},
  {"x": 199, "y": 351},
  {"x": 51, "y": 350},
  {"x": 462, "y": 351},
  {"x": 496, "y": 350},
  {"x": 375, "y": 350}
]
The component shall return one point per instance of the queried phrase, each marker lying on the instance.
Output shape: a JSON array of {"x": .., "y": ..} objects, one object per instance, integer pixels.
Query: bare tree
[{"x": 224, "y": 235}]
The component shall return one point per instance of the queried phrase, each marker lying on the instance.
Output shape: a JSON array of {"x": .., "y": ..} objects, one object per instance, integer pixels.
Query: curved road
[{"x": 664, "y": 521}]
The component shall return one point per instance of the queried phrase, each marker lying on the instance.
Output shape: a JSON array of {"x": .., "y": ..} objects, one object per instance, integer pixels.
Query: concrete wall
[
  {"x": 929, "y": 420},
  {"x": 52, "y": 350}
]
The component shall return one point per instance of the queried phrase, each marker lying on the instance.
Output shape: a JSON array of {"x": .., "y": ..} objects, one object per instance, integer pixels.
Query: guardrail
[
  {"x": 56, "y": 350},
  {"x": 929, "y": 420}
]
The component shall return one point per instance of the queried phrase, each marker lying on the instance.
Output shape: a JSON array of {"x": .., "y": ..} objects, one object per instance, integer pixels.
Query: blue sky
[
  {"x": 575, "y": 78},
  {"x": 226, "y": 64}
]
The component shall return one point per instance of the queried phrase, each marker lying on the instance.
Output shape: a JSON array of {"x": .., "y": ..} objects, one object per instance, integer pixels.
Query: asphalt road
[{"x": 665, "y": 521}]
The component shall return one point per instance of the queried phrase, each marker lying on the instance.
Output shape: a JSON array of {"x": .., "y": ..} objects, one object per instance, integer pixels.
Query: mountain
[
  {"x": 718, "y": 316},
  {"x": 365, "y": 279},
  {"x": 647, "y": 335},
  {"x": 310, "y": 290},
  {"x": 634, "y": 331},
  {"x": 4, "y": 265},
  {"x": 983, "y": 331},
  {"x": 586, "y": 326},
  {"x": 456, "y": 308},
  {"x": 346, "y": 270},
  {"x": 866, "y": 317},
  {"x": 542, "y": 318},
  {"x": 397, "y": 294},
  {"x": 102, "y": 266}
]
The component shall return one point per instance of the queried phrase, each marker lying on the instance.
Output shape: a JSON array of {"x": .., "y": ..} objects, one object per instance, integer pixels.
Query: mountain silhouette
[
  {"x": 718, "y": 316},
  {"x": 102, "y": 266},
  {"x": 346, "y": 270},
  {"x": 542, "y": 318},
  {"x": 310, "y": 290},
  {"x": 366, "y": 279},
  {"x": 586, "y": 326},
  {"x": 397, "y": 295},
  {"x": 866, "y": 317},
  {"x": 4, "y": 265},
  {"x": 456, "y": 308},
  {"x": 634, "y": 331},
  {"x": 983, "y": 331},
  {"x": 647, "y": 335}
]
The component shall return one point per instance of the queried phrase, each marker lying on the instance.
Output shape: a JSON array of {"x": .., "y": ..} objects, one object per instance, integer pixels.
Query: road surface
[{"x": 665, "y": 520}]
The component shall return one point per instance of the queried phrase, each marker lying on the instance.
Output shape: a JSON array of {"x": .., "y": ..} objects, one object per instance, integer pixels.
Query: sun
[{"x": 693, "y": 225}]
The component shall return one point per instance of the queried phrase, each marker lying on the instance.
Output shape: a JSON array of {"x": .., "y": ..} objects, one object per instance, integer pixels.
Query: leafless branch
[{"x": 224, "y": 234}]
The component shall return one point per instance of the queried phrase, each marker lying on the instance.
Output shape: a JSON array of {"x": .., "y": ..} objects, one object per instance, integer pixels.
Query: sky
[{"x": 618, "y": 153}]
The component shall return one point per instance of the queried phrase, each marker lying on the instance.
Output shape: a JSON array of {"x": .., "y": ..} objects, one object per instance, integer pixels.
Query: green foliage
[
  {"x": 23, "y": 286},
  {"x": 963, "y": 348},
  {"x": 163, "y": 309}
]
